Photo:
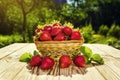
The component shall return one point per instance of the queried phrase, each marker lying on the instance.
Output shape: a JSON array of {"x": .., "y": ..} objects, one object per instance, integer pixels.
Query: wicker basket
[{"x": 57, "y": 48}]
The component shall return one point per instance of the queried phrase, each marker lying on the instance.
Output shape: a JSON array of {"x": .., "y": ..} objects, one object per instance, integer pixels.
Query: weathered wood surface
[{"x": 12, "y": 69}]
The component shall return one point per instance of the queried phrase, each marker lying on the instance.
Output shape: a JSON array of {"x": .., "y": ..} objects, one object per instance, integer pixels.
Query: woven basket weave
[{"x": 58, "y": 48}]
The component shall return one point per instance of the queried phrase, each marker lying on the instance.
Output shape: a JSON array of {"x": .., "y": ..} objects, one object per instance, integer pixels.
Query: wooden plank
[
  {"x": 42, "y": 77},
  {"x": 12, "y": 71},
  {"x": 109, "y": 50},
  {"x": 96, "y": 49},
  {"x": 111, "y": 69},
  {"x": 29, "y": 48},
  {"x": 15, "y": 55},
  {"x": 107, "y": 73},
  {"x": 6, "y": 64},
  {"x": 15, "y": 70},
  {"x": 75, "y": 76},
  {"x": 91, "y": 74},
  {"x": 22, "y": 74},
  {"x": 114, "y": 64},
  {"x": 33, "y": 74},
  {"x": 62, "y": 77},
  {"x": 10, "y": 49}
]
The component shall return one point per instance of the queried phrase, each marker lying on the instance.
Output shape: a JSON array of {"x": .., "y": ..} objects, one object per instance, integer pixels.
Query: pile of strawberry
[
  {"x": 57, "y": 32},
  {"x": 64, "y": 61}
]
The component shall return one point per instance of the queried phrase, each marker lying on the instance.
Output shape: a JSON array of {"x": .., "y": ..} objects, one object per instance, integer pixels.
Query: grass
[
  {"x": 9, "y": 39},
  {"x": 109, "y": 40},
  {"x": 96, "y": 38}
]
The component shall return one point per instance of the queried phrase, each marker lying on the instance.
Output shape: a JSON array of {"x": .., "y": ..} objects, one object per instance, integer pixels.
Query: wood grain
[{"x": 12, "y": 69}]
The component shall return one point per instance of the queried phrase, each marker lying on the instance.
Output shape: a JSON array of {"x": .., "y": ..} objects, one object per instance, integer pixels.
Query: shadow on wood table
[{"x": 57, "y": 71}]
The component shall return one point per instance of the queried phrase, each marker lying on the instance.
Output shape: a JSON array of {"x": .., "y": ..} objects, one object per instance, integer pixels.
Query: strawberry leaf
[
  {"x": 35, "y": 52},
  {"x": 69, "y": 25},
  {"x": 97, "y": 58},
  {"x": 87, "y": 60},
  {"x": 87, "y": 52},
  {"x": 25, "y": 57}
]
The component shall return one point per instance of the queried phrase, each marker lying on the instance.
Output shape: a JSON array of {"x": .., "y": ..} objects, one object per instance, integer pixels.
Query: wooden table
[{"x": 12, "y": 69}]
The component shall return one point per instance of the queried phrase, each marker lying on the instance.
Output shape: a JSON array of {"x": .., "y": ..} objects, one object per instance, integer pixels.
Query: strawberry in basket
[{"x": 58, "y": 32}]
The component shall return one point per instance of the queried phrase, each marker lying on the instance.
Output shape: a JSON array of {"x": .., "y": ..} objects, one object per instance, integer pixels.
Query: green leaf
[
  {"x": 26, "y": 57},
  {"x": 87, "y": 60},
  {"x": 97, "y": 58},
  {"x": 35, "y": 52},
  {"x": 87, "y": 52}
]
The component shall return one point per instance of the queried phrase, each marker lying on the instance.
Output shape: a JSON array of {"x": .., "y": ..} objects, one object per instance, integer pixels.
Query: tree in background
[
  {"x": 21, "y": 15},
  {"x": 26, "y": 7},
  {"x": 102, "y": 12},
  {"x": 6, "y": 27}
]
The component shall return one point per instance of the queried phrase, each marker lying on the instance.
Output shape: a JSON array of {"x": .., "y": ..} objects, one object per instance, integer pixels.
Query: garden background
[{"x": 98, "y": 20}]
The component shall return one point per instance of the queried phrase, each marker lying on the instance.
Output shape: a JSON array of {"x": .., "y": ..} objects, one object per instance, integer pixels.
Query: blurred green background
[{"x": 98, "y": 20}]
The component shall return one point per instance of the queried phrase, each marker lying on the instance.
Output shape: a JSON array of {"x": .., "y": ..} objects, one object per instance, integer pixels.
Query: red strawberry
[
  {"x": 60, "y": 37},
  {"x": 56, "y": 31},
  {"x": 75, "y": 35},
  {"x": 48, "y": 28},
  {"x": 79, "y": 61},
  {"x": 45, "y": 36},
  {"x": 36, "y": 60},
  {"x": 47, "y": 63},
  {"x": 65, "y": 61},
  {"x": 67, "y": 30},
  {"x": 57, "y": 24},
  {"x": 38, "y": 30}
]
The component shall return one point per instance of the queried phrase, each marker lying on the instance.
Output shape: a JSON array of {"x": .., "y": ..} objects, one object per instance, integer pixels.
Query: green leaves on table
[
  {"x": 86, "y": 51},
  {"x": 26, "y": 57},
  {"x": 35, "y": 52},
  {"x": 89, "y": 56},
  {"x": 97, "y": 58}
]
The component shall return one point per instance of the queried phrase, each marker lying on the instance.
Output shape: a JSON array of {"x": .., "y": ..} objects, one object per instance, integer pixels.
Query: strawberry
[
  {"x": 57, "y": 24},
  {"x": 56, "y": 31},
  {"x": 38, "y": 30},
  {"x": 45, "y": 36},
  {"x": 65, "y": 61},
  {"x": 36, "y": 60},
  {"x": 48, "y": 28},
  {"x": 60, "y": 37},
  {"x": 79, "y": 61},
  {"x": 47, "y": 63},
  {"x": 75, "y": 35},
  {"x": 67, "y": 30}
]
